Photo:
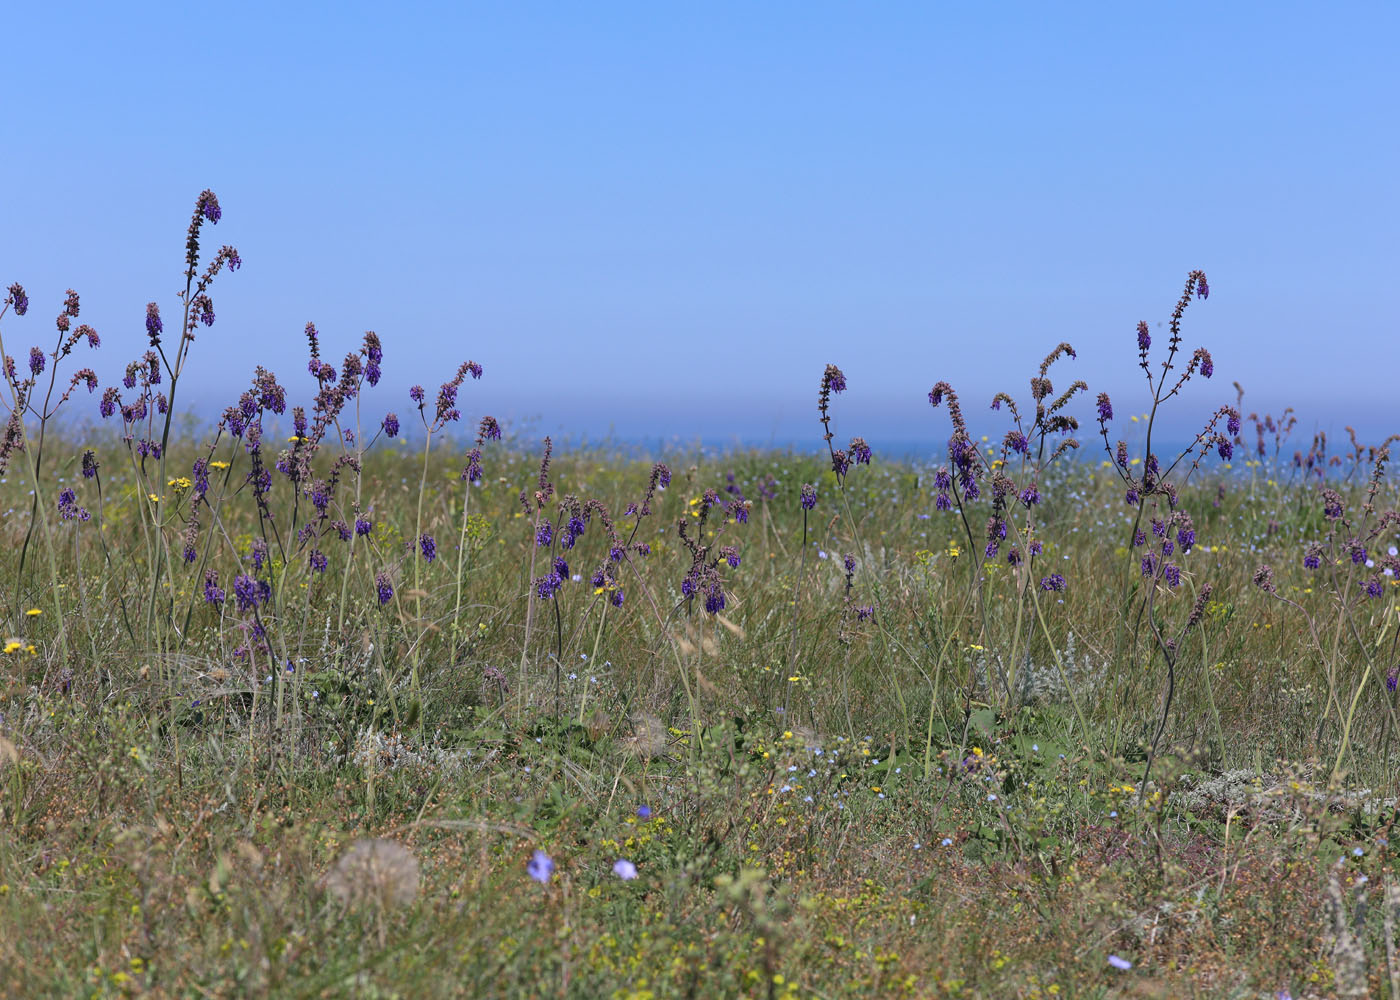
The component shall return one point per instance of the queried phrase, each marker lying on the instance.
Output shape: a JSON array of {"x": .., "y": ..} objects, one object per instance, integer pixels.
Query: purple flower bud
[{"x": 391, "y": 425}]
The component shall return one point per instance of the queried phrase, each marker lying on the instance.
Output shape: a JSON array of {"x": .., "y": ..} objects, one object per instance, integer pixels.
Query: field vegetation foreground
[{"x": 339, "y": 699}]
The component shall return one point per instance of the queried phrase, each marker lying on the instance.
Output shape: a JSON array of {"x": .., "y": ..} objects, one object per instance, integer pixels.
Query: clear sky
[{"x": 667, "y": 218}]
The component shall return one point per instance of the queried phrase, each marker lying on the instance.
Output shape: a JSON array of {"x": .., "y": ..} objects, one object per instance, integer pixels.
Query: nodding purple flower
[
  {"x": 548, "y": 586},
  {"x": 688, "y": 585},
  {"x": 663, "y": 476},
  {"x": 416, "y": 394},
  {"x": 941, "y": 479},
  {"x": 1139, "y": 538},
  {"x": 206, "y": 310},
  {"x": 1013, "y": 557},
  {"x": 384, "y": 587},
  {"x": 1159, "y": 527},
  {"x": 731, "y": 556},
  {"x": 1121, "y": 457},
  {"x": 643, "y": 548},
  {"x": 259, "y": 554},
  {"x": 1312, "y": 558},
  {"x": 1187, "y": 538},
  {"x": 1149, "y": 564},
  {"x": 1144, "y": 338},
  {"x": 860, "y": 451},
  {"x": 89, "y": 464},
  {"x": 935, "y": 395},
  {"x": 209, "y": 207},
  {"x": 942, "y": 502},
  {"x": 1202, "y": 289},
  {"x": 318, "y": 562},
  {"x": 474, "y": 369},
  {"x": 341, "y": 529},
  {"x": 19, "y": 299},
  {"x": 1225, "y": 447},
  {"x": 1030, "y": 496},
  {"x": 1131, "y": 498},
  {"x": 544, "y": 534},
  {"x": 1232, "y": 423},
  {"x": 850, "y": 563},
  {"x": 1331, "y": 505},
  {"x": 809, "y": 496},
  {"x": 615, "y": 554},
  {"x": 1105, "y": 408},
  {"x": 489, "y": 430},
  {"x": 971, "y": 490},
  {"x": 428, "y": 545},
  {"x": 615, "y": 597},
  {"x": 190, "y": 555},
  {"x": 833, "y": 380},
  {"x": 1167, "y": 547},
  {"x": 1358, "y": 552},
  {"x": 991, "y": 551},
  {"x": 714, "y": 600},
  {"x": 1173, "y": 574},
  {"x": 865, "y": 613},
  {"x": 1374, "y": 587},
  {"x": 1036, "y": 548},
  {"x": 1207, "y": 365},
  {"x": 1392, "y": 678},
  {"x": 1054, "y": 581},
  {"x": 363, "y": 525},
  {"x": 36, "y": 362},
  {"x": 391, "y": 425},
  {"x": 598, "y": 579},
  {"x": 213, "y": 593},
  {"x": 372, "y": 372},
  {"x": 1017, "y": 442},
  {"x": 561, "y": 567}
]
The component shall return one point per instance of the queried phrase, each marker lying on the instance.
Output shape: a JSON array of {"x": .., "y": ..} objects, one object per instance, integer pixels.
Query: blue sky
[{"x": 666, "y": 219}]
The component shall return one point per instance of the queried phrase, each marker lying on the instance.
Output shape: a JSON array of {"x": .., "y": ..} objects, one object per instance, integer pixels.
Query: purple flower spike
[
  {"x": 154, "y": 327},
  {"x": 809, "y": 496}
]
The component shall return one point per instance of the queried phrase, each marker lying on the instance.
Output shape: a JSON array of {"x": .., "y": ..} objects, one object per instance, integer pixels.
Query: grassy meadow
[{"x": 328, "y": 702}]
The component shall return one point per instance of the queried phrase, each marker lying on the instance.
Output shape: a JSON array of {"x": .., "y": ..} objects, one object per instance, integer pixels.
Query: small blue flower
[{"x": 540, "y": 866}]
